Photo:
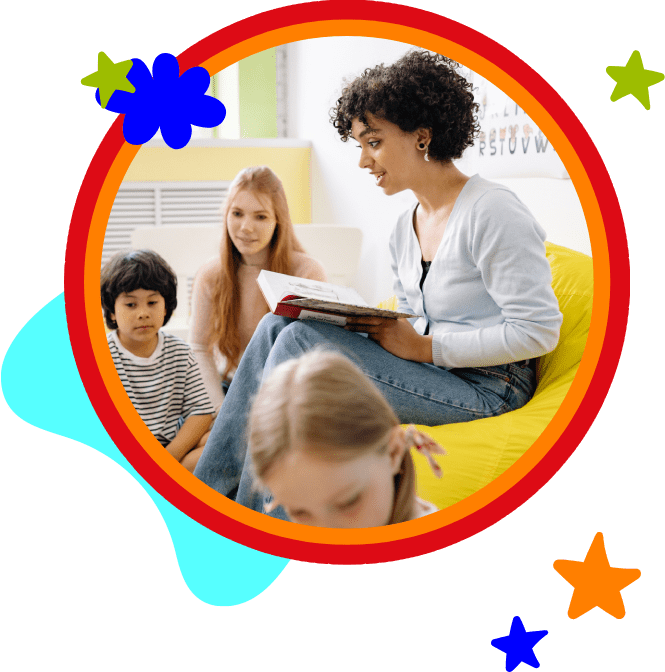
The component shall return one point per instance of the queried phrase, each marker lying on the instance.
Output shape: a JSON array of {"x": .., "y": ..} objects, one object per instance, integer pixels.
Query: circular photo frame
[{"x": 539, "y": 462}]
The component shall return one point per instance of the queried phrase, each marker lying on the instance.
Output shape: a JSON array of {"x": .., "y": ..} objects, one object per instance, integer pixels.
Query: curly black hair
[
  {"x": 137, "y": 269},
  {"x": 420, "y": 90}
]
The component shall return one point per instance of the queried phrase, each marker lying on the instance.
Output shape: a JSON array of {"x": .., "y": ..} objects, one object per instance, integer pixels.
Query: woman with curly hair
[
  {"x": 468, "y": 255},
  {"x": 468, "y": 258}
]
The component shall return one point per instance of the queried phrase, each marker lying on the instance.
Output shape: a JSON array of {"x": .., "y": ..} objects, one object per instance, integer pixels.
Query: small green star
[
  {"x": 633, "y": 79},
  {"x": 109, "y": 77}
]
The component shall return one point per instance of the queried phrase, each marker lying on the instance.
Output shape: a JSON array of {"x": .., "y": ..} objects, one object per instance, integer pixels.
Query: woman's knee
[
  {"x": 270, "y": 327},
  {"x": 291, "y": 338},
  {"x": 270, "y": 321},
  {"x": 302, "y": 335},
  {"x": 294, "y": 340}
]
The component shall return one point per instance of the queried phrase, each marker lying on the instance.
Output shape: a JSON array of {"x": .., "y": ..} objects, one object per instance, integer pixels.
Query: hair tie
[{"x": 427, "y": 446}]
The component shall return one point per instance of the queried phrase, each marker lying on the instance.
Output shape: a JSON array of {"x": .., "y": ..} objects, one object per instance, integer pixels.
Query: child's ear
[{"x": 396, "y": 448}]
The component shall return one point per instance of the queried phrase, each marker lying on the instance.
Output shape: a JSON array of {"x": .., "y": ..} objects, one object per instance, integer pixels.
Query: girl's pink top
[{"x": 252, "y": 308}]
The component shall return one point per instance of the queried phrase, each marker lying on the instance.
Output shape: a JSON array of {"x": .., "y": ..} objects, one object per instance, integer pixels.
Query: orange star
[{"x": 596, "y": 583}]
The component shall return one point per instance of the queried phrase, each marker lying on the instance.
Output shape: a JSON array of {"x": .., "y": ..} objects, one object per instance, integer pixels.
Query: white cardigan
[{"x": 488, "y": 296}]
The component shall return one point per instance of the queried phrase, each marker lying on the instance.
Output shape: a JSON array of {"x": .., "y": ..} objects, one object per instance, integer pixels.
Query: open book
[{"x": 313, "y": 300}]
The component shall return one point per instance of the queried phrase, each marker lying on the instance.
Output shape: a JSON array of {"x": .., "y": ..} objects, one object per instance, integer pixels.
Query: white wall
[{"x": 343, "y": 194}]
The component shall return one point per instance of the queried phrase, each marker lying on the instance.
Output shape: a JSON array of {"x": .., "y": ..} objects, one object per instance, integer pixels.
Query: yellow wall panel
[{"x": 291, "y": 164}]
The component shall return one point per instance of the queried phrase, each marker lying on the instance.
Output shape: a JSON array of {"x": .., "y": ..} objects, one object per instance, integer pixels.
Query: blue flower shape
[{"x": 167, "y": 100}]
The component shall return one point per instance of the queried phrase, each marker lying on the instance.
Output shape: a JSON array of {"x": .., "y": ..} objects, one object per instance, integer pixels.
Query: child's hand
[
  {"x": 396, "y": 336},
  {"x": 190, "y": 436}
]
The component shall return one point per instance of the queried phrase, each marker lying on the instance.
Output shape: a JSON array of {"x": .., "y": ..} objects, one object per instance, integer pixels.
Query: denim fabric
[{"x": 422, "y": 394}]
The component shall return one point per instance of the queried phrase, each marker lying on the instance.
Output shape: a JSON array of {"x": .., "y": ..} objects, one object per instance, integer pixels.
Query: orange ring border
[{"x": 208, "y": 506}]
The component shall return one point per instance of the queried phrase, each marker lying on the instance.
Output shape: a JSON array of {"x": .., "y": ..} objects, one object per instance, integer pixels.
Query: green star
[
  {"x": 109, "y": 77},
  {"x": 633, "y": 79}
]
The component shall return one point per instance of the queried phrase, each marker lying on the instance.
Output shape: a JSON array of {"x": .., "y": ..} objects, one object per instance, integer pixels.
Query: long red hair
[{"x": 226, "y": 310}]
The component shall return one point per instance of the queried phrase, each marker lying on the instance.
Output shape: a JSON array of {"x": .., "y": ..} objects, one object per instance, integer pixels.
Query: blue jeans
[{"x": 422, "y": 394}]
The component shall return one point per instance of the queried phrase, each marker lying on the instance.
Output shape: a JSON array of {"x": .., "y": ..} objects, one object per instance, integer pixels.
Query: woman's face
[
  {"x": 348, "y": 494},
  {"x": 251, "y": 223},
  {"x": 390, "y": 154}
]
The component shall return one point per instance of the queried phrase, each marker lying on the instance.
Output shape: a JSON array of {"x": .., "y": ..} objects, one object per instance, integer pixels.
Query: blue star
[
  {"x": 518, "y": 645},
  {"x": 167, "y": 100}
]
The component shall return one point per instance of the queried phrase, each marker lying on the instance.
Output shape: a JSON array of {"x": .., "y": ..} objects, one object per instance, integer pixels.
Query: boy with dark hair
[{"x": 157, "y": 370}]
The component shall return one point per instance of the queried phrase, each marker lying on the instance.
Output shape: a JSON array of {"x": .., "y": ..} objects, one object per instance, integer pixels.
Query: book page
[{"x": 280, "y": 285}]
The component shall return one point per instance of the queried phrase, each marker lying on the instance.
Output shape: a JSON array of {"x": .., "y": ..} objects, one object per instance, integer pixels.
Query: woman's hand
[{"x": 396, "y": 336}]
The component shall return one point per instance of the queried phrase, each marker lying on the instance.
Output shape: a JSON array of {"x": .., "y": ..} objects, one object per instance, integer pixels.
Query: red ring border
[{"x": 531, "y": 482}]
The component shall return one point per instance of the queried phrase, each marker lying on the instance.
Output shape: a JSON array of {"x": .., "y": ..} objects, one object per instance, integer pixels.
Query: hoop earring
[{"x": 427, "y": 153}]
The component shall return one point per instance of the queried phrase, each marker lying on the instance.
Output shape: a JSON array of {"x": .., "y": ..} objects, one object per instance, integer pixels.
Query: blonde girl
[
  {"x": 330, "y": 449},
  {"x": 227, "y": 304}
]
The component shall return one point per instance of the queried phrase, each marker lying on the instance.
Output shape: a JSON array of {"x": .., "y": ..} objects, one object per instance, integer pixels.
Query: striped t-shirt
[{"x": 164, "y": 387}]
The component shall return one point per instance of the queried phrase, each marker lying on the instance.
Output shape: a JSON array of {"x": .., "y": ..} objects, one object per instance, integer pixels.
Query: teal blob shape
[{"x": 218, "y": 571}]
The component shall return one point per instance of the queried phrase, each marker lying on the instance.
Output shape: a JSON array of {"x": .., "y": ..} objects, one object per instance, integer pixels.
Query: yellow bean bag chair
[{"x": 481, "y": 450}]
